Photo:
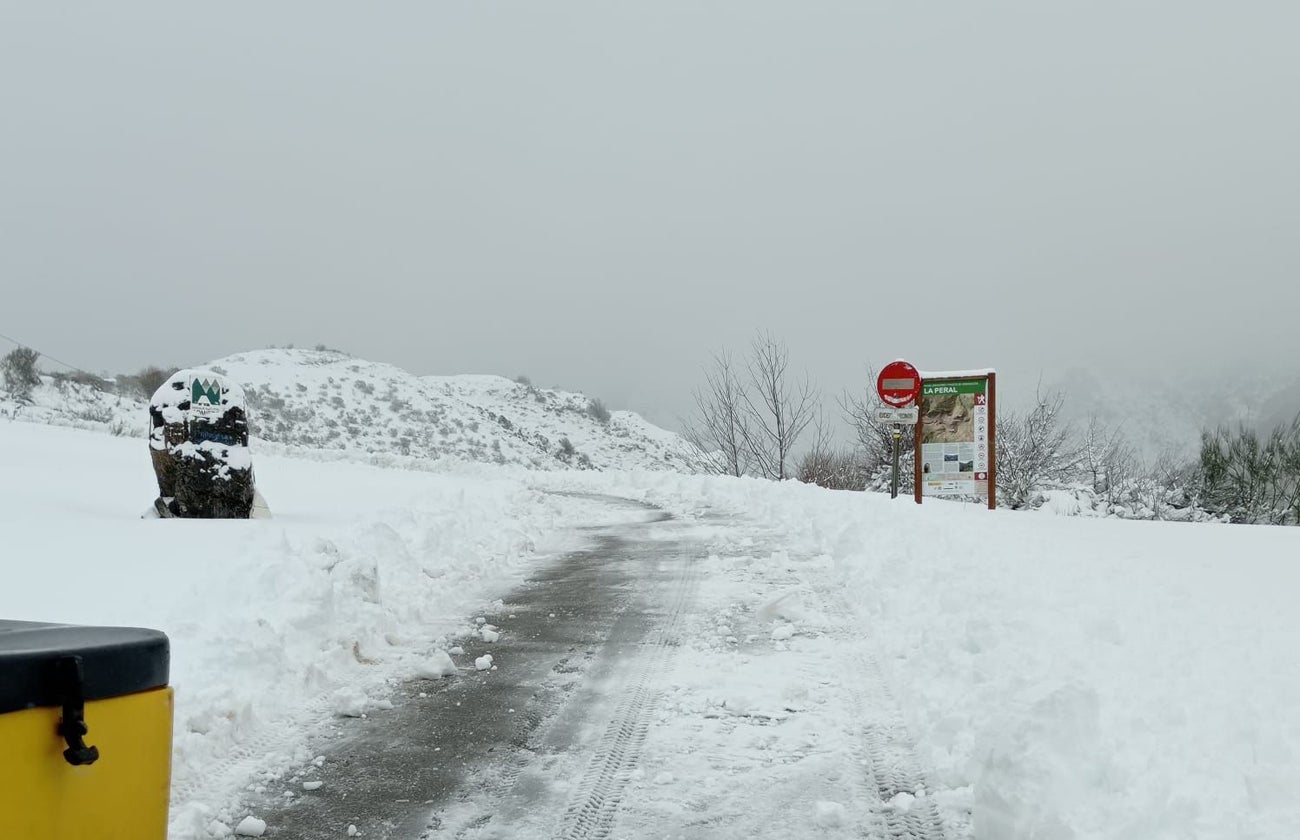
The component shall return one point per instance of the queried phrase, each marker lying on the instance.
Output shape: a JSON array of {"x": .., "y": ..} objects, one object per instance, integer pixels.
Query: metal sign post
[
  {"x": 893, "y": 484},
  {"x": 898, "y": 386}
]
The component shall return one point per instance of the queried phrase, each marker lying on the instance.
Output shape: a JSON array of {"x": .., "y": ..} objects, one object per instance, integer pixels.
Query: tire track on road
[
  {"x": 889, "y": 770},
  {"x": 593, "y": 809}
]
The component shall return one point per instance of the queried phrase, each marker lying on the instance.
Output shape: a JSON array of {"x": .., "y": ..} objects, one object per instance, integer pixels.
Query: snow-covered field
[
  {"x": 275, "y": 625},
  {"x": 1061, "y": 677}
]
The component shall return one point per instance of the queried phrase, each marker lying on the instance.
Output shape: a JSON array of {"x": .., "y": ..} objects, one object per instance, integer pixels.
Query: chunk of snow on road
[
  {"x": 349, "y": 702},
  {"x": 484, "y": 662},
  {"x": 901, "y": 801},
  {"x": 251, "y": 827},
  {"x": 437, "y": 666},
  {"x": 352, "y": 702},
  {"x": 738, "y": 704},
  {"x": 828, "y": 814},
  {"x": 785, "y": 606},
  {"x": 353, "y": 831},
  {"x": 489, "y": 636},
  {"x": 313, "y": 785},
  {"x": 782, "y": 632},
  {"x": 456, "y": 651}
]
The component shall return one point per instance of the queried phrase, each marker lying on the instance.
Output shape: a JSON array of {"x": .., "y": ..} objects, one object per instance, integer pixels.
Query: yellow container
[{"x": 108, "y": 779}]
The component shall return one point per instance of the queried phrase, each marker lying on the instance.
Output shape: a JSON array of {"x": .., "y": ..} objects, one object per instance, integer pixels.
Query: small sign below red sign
[
  {"x": 898, "y": 384},
  {"x": 906, "y": 416}
]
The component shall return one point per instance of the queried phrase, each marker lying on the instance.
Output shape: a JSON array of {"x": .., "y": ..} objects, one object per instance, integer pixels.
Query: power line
[{"x": 51, "y": 358}]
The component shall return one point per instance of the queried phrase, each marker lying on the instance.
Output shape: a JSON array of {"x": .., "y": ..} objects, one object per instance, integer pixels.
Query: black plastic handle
[{"x": 69, "y": 678}]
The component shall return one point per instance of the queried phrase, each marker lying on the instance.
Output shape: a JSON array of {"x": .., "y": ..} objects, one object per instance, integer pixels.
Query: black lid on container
[{"x": 114, "y": 661}]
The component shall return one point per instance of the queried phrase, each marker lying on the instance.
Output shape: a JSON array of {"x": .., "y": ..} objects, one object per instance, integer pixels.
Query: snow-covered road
[{"x": 639, "y": 688}]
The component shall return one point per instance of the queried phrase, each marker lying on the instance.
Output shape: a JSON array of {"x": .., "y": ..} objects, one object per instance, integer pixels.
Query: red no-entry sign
[{"x": 898, "y": 384}]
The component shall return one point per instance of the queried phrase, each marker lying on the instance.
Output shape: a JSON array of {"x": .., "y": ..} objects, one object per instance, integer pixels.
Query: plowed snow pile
[{"x": 1063, "y": 678}]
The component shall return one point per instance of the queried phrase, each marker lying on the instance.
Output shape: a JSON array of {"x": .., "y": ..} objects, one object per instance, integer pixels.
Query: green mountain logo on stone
[{"x": 206, "y": 390}]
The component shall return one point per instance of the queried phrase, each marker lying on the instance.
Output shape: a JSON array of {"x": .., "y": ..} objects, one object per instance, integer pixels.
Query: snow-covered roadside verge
[
  {"x": 1063, "y": 677},
  {"x": 278, "y": 625}
]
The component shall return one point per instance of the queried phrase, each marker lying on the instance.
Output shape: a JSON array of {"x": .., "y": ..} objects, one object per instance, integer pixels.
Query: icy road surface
[{"x": 631, "y": 693}]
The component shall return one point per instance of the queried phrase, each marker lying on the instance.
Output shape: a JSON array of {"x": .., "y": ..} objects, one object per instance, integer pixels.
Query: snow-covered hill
[
  {"x": 326, "y": 400},
  {"x": 60, "y": 401}
]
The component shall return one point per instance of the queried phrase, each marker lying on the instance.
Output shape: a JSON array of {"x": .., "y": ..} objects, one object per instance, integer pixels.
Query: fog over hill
[{"x": 1168, "y": 410}]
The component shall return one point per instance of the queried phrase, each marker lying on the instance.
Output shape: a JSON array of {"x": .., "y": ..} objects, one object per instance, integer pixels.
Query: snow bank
[
  {"x": 1065, "y": 677},
  {"x": 276, "y": 625}
]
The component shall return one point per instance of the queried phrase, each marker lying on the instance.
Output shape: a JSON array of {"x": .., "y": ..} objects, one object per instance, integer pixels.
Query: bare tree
[
  {"x": 1032, "y": 449},
  {"x": 1176, "y": 475},
  {"x": 1106, "y": 458},
  {"x": 719, "y": 429},
  {"x": 828, "y": 465},
  {"x": 778, "y": 409},
  {"x": 875, "y": 438}
]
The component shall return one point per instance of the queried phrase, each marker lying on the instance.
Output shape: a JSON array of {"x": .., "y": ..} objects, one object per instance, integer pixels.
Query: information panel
[{"x": 954, "y": 438}]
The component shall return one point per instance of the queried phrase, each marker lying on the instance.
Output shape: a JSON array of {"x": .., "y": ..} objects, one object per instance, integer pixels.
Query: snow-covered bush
[
  {"x": 834, "y": 469},
  {"x": 598, "y": 411},
  {"x": 20, "y": 373},
  {"x": 1034, "y": 450},
  {"x": 1250, "y": 479}
]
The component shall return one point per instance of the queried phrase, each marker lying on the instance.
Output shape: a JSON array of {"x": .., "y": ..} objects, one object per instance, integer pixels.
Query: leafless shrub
[
  {"x": 1106, "y": 459},
  {"x": 834, "y": 469},
  {"x": 1033, "y": 448},
  {"x": 144, "y": 382},
  {"x": 826, "y": 464}
]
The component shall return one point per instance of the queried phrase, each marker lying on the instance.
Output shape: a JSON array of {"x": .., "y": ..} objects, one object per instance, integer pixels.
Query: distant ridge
[{"x": 327, "y": 400}]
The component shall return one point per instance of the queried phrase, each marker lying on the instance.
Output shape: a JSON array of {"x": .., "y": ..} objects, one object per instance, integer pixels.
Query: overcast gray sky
[{"x": 600, "y": 194}]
